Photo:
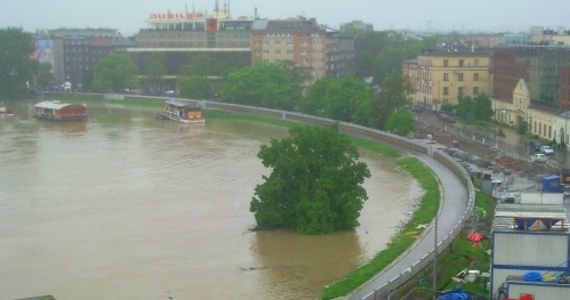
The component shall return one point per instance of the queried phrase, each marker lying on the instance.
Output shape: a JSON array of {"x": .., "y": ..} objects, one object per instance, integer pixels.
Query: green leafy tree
[
  {"x": 481, "y": 108},
  {"x": 264, "y": 84},
  {"x": 401, "y": 122},
  {"x": 392, "y": 96},
  {"x": 16, "y": 66},
  {"x": 42, "y": 73},
  {"x": 154, "y": 72},
  {"x": 114, "y": 73},
  {"x": 202, "y": 66},
  {"x": 337, "y": 99},
  {"x": 195, "y": 87},
  {"x": 465, "y": 108},
  {"x": 315, "y": 186},
  {"x": 379, "y": 54},
  {"x": 522, "y": 129},
  {"x": 314, "y": 102}
]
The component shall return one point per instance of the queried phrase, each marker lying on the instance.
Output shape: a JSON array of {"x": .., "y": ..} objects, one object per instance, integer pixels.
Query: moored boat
[
  {"x": 59, "y": 111},
  {"x": 6, "y": 111},
  {"x": 182, "y": 111}
]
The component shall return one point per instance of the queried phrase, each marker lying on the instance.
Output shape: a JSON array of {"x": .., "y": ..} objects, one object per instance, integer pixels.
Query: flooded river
[{"x": 128, "y": 207}]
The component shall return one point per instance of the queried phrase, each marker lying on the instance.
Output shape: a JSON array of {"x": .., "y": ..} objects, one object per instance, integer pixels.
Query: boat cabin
[
  {"x": 59, "y": 111},
  {"x": 183, "y": 111}
]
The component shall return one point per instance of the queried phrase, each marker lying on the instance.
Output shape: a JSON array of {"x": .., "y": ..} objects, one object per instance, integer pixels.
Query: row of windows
[
  {"x": 460, "y": 62},
  {"x": 460, "y": 90},
  {"x": 460, "y": 76}
]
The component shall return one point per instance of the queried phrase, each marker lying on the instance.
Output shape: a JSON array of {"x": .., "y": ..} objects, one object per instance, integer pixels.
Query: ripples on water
[{"x": 127, "y": 207}]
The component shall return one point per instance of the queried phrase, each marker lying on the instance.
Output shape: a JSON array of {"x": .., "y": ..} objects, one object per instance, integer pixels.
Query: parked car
[
  {"x": 535, "y": 145},
  {"x": 546, "y": 150},
  {"x": 538, "y": 158}
]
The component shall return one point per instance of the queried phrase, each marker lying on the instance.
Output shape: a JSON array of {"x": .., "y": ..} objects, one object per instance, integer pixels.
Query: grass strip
[{"x": 403, "y": 239}]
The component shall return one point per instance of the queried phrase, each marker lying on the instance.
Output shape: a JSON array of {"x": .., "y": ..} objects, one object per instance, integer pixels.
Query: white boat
[
  {"x": 182, "y": 111},
  {"x": 6, "y": 111}
]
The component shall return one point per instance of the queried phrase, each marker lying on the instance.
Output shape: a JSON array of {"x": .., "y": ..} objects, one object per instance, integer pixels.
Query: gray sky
[{"x": 128, "y": 16}]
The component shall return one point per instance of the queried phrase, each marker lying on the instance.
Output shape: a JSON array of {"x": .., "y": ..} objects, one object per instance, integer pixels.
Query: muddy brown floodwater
[{"x": 128, "y": 207}]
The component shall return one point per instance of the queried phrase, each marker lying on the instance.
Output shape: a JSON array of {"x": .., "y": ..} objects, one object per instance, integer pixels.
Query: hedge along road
[{"x": 457, "y": 198}]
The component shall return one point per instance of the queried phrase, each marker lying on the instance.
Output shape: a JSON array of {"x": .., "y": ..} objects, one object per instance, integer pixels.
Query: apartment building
[
  {"x": 299, "y": 40},
  {"x": 74, "y": 53},
  {"x": 446, "y": 73}
]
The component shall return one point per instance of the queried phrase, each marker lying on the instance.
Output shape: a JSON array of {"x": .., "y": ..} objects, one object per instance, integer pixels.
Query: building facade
[
  {"x": 74, "y": 53},
  {"x": 445, "y": 74},
  {"x": 299, "y": 40},
  {"x": 544, "y": 69}
]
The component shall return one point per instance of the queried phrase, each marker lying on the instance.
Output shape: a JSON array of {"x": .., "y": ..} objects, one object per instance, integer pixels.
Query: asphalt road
[{"x": 452, "y": 208}]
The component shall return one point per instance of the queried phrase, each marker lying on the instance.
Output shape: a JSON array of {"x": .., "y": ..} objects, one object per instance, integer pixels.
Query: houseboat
[
  {"x": 59, "y": 111},
  {"x": 6, "y": 111},
  {"x": 182, "y": 111}
]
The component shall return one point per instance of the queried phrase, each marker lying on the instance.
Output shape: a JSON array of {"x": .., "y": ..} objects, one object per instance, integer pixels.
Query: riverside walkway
[{"x": 452, "y": 208}]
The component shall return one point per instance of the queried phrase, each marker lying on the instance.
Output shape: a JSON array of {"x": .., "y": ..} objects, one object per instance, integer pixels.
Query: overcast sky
[{"x": 128, "y": 16}]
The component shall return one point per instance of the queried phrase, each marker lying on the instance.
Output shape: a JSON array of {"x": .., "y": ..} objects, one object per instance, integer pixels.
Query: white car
[
  {"x": 547, "y": 150},
  {"x": 538, "y": 158}
]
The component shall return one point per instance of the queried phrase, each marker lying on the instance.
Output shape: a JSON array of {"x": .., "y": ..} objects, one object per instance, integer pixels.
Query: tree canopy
[
  {"x": 380, "y": 53},
  {"x": 337, "y": 99},
  {"x": 315, "y": 186},
  {"x": 16, "y": 66},
  {"x": 114, "y": 73},
  {"x": 401, "y": 122},
  {"x": 393, "y": 95},
  {"x": 264, "y": 84},
  {"x": 478, "y": 108}
]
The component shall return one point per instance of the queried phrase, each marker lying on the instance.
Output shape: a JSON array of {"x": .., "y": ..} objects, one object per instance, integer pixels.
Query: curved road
[{"x": 454, "y": 203}]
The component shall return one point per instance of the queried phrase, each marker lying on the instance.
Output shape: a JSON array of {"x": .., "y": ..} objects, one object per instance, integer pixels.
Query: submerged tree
[{"x": 315, "y": 186}]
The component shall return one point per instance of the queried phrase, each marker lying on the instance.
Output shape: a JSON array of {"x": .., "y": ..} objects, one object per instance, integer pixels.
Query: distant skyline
[{"x": 129, "y": 16}]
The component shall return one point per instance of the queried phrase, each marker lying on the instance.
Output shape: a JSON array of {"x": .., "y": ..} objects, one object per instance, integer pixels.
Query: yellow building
[
  {"x": 444, "y": 74},
  {"x": 546, "y": 124}
]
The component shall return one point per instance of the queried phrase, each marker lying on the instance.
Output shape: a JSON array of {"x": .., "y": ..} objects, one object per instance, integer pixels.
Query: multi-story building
[
  {"x": 180, "y": 37},
  {"x": 444, "y": 74},
  {"x": 340, "y": 55},
  {"x": 299, "y": 40},
  {"x": 359, "y": 25},
  {"x": 74, "y": 53},
  {"x": 323, "y": 52},
  {"x": 542, "y": 67},
  {"x": 410, "y": 73}
]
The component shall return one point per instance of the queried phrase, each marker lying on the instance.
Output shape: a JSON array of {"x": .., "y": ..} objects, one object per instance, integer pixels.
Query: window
[
  {"x": 445, "y": 90},
  {"x": 460, "y": 90},
  {"x": 476, "y": 62},
  {"x": 460, "y": 76},
  {"x": 475, "y": 90},
  {"x": 461, "y": 62},
  {"x": 445, "y": 62},
  {"x": 445, "y": 77},
  {"x": 476, "y": 77}
]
